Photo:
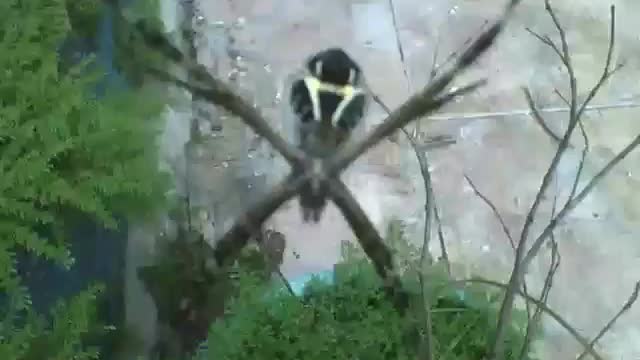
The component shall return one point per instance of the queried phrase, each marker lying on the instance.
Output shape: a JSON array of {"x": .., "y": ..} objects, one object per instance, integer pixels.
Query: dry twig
[
  {"x": 494, "y": 209},
  {"x": 428, "y": 207},
  {"x": 505, "y": 228},
  {"x": 579, "y": 198},
  {"x": 522, "y": 260},
  {"x": 545, "y": 309},
  {"x": 534, "y": 320},
  {"x": 538, "y": 118},
  {"x": 626, "y": 307}
]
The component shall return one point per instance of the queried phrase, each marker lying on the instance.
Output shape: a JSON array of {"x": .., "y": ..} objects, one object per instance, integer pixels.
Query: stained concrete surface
[{"x": 506, "y": 157}]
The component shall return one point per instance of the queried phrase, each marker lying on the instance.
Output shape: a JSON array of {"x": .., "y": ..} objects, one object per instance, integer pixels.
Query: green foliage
[
  {"x": 188, "y": 294},
  {"x": 63, "y": 153},
  {"x": 84, "y": 16},
  {"x": 351, "y": 318},
  {"x": 131, "y": 54},
  {"x": 62, "y": 335},
  {"x": 61, "y": 149}
]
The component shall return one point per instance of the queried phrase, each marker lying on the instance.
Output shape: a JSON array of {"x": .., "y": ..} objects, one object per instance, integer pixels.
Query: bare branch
[
  {"x": 444, "y": 256},
  {"x": 425, "y": 257},
  {"x": 608, "y": 71},
  {"x": 430, "y": 206},
  {"x": 583, "y": 157},
  {"x": 585, "y": 150},
  {"x": 570, "y": 205},
  {"x": 496, "y": 349},
  {"x": 534, "y": 321},
  {"x": 537, "y": 117},
  {"x": 545, "y": 309},
  {"x": 423, "y": 163},
  {"x": 626, "y": 307},
  {"x": 579, "y": 198},
  {"x": 547, "y": 41},
  {"x": 505, "y": 229},
  {"x": 562, "y": 97},
  {"x": 494, "y": 209}
]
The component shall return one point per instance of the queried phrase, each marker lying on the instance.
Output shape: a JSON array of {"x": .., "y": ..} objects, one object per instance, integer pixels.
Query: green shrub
[
  {"x": 63, "y": 335},
  {"x": 63, "y": 152},
  {"x": 351, "y": 319}
]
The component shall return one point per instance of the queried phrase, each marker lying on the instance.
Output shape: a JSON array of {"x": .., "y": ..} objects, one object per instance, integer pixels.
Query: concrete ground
[{"x": 505, "y": 156}]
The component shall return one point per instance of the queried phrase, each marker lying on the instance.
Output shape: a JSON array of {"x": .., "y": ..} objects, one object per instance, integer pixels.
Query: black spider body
[{"x": 328, "y": 104}]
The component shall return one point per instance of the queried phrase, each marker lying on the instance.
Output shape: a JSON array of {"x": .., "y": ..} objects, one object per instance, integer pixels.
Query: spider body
[{"x": 328, "y": 104}]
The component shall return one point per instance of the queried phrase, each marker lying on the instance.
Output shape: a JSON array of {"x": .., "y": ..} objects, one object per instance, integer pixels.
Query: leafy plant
[
  {"x": 130, "y": 54},
  {"x": 64, "y": 334},
  {"x": 62, "y": 150},
  {"x": 63, "y": 153},
  {"x": 351, "y": 319},
  {"x": 84, "y": 16}
]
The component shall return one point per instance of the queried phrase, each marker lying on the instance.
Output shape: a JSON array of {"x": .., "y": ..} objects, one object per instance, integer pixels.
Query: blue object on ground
[{"x": 299, "y": 283}]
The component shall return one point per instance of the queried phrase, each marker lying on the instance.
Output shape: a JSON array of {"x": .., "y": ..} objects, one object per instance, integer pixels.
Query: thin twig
[
  {"x": 396, "y": 30},
  {"x": 626, "y": 307},
  {"x": 435, "y": 143},
  {"x": 496, "y": 349},
  {"x": 545, "y": 308},
  {"x": 562, "y": 97},
  {"x": 583, "y": 158},
  {"x": 505, "y": 228},
  {"x": 538, "y": 118},
  {"x": 444, "y": 255},
  {"x": 423, "y": 163},
  {"x": 547, "y": 40},
  {"x": 585, "y": 150},
  {"x": 607, "y": 72},
  {"x": 575, "y": 200},
  {"x": 534, "y": 321},
  {"x": 424, "y": 170},
  {"x": 425, "y": 257},
  {"x": 494, "y": 209},
  {"x": 579, "y": 198}
]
